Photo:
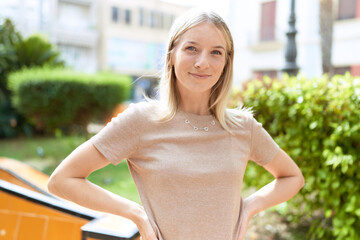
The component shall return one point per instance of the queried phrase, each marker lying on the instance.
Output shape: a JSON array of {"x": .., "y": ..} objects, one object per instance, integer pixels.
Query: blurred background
[{"x": 68, "y": 66}]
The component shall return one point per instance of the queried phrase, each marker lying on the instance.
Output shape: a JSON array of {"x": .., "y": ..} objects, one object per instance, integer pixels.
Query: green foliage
[
  {"x": 15, "y": 53},
  {"x": 59, "y": 98},
  {"x": 9, "y": 38},
  {"x": 37, "y": 51},
  {"x": 316, "y": 121}
]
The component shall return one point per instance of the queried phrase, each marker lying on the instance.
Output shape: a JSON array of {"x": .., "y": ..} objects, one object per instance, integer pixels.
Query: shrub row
[
  {"x": 60, "y": 98},
  {"x": 316, "y": 121}
]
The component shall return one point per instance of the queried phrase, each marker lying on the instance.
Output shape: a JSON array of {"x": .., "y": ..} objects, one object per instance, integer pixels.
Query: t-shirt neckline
[{"x": 197, "y": 117}]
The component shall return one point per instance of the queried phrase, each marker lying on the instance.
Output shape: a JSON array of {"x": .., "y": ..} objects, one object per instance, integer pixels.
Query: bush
[
  {"x": 60, "y": 98},
  {"x": 316, "y": 121}
]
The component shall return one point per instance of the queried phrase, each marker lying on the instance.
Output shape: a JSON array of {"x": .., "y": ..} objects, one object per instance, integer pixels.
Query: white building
[
  {"x": 134, "y": 34},
  {"x": 69, "y": 24},
  {"x": 124, "y": 36},
  {"x": 259, "y": 28},
  {"x": 26, "y": 15},
  {"x": 73, "y": 27}
]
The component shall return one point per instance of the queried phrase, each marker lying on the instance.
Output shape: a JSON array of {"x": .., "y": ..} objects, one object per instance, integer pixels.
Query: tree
[
  {"x": 16, "y": 53},
  {"x": 9, "y": 38},
  {"x": 326, "y": 34},
  {"x": 37, "y": 51}
]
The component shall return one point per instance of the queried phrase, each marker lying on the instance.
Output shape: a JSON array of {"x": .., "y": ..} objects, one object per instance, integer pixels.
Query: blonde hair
[{"x": 168, "y": 93}]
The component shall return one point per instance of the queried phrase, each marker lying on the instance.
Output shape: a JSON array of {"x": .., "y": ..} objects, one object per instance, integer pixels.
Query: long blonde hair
[{"x": 168, "y": 93}]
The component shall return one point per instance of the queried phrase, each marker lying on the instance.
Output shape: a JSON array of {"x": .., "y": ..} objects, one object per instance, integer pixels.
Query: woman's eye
[
  {"x": 216, "y": 52},
  {"x": 191, "y": 48}
]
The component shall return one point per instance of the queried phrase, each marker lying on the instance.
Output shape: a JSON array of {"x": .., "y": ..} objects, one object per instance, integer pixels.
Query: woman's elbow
[
  {"x": 53, "y": 184},
  {"x": 301, "y": 181}
]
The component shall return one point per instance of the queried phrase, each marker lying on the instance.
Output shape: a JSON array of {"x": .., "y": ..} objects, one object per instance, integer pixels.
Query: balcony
[
  {"x": 83, "y": 2},
  {"x": 82, "y": 37},
  {"x": 258, "y": 42}
]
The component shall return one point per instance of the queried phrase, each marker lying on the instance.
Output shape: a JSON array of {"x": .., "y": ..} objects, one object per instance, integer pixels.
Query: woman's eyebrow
[
  {"x": 196, "y": 43},
  {"x": 192, "y": 42},
  {"x": 220, "y": 47}
]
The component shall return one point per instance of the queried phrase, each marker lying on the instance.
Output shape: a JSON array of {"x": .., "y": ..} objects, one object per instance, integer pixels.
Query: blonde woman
[{"x": 186, "y": 151}]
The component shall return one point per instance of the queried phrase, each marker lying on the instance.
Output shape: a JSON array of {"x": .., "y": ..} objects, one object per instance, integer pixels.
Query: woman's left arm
[{"x": 288, "y": 181}]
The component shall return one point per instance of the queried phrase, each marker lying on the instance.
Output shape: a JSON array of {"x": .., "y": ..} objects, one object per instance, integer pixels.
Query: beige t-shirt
[{"x": 189, "y": 181}]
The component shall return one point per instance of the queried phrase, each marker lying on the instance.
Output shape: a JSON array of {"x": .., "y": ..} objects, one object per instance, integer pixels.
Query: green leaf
[
  {"x": 357, "y": 212},
  {"x": 328, "y": 213}
]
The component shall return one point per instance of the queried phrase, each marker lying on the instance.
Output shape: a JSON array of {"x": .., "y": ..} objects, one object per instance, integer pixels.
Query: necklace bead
[{"x": 206, "y": 129}]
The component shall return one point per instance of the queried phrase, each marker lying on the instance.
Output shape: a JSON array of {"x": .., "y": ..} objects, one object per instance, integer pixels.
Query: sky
[{"x": 219, "y": 6}]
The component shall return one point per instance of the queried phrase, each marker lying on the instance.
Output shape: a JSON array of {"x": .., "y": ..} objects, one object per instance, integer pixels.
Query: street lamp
[{"x": 291, "y": 67}]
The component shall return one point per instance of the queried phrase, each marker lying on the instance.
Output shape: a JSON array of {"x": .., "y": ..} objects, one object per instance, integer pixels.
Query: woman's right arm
[{"x": 69, "y": 181}]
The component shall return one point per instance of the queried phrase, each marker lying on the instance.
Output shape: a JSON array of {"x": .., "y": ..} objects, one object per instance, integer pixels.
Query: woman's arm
[
  {"x": 69, "y": 181},
  {"x": 289, "y": 180}
]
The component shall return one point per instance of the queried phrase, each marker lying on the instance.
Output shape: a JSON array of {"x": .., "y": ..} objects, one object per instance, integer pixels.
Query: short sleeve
[
  {"x": 119, "y": 138},
  {"x": 263, "y": 147}
]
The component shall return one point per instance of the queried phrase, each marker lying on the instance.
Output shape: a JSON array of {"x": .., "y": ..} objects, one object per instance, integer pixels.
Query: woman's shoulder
[
  {"x": 143, "y": 109},
  {"x": 143, "y": 105},
  {"x": 240, "y": 115}
]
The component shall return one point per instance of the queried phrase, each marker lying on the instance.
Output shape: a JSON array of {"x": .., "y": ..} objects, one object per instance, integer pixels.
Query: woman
[{"x": 186, "y": 152}]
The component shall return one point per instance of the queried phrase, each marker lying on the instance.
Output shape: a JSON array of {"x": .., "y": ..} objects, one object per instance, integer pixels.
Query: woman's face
[{"x": 199, "y": 59}]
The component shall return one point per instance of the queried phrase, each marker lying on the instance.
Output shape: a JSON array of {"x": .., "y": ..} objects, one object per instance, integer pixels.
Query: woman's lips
[{"x": 197, "y": 75}]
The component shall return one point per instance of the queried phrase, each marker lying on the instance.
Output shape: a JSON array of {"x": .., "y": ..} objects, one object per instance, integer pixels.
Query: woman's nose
[{"x": 202, "y": 61}]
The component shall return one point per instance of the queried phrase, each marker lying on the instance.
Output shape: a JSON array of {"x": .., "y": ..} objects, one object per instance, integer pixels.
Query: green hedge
[
  {"x": 317, "y": 122},
  {"x": 62, "y": 99}
]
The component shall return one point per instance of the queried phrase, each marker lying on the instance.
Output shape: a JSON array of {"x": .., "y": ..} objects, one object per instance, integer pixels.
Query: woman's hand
[
  {"x": 143, "y": 224},
  {"x": 289, "y": 180},
  {"x": 69, "y": 181},
  {"x": 246, "y": 215}
]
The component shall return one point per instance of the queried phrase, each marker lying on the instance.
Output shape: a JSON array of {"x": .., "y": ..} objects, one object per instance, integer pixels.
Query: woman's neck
[
  {"x": 195, "y": 105},
  {"x": 194, "y": 102}
]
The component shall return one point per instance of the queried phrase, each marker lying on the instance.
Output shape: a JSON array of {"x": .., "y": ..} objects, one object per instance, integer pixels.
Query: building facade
[
  {"x": 259, "y": 28},
  {"x": 133, "y": 34},
  {"x": 73, "y": 27},
  {"x": 69, "y": 24},
  {"x": 127, "y": 37},
  {"x": 26, "y": 15}
]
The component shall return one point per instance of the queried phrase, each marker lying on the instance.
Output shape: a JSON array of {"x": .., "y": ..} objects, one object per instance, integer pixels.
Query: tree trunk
[{"x": 326, "y": 34}]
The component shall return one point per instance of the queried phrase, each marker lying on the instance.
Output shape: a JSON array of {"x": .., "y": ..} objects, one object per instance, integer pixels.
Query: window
[
  {"x": 267, "y": 31},
  {"x": 172, "y": 19},
  {"x": 72, "y": 15},
  {"x": 141, "y": 17},
  {"x": 341, "y": 70},
  {"x": 114, "y": 14},
  {"x": 73, "y": 56},
  {"x": 153, "y": 21},
  {"x": 168, "y": 18},
  {"x": 127, "y": 16},
  {"x": 161, "y": 20},
  {"x": 348, "y": 9},
  {"x": 355, "y": 70}
]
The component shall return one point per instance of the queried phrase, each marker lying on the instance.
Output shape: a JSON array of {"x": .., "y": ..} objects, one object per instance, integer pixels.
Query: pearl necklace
[{"x": 198, "y": 128}]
